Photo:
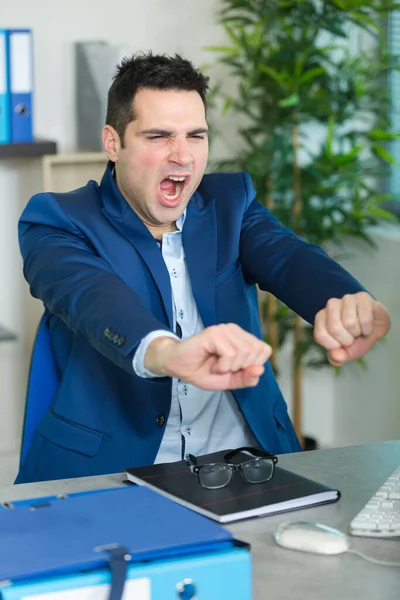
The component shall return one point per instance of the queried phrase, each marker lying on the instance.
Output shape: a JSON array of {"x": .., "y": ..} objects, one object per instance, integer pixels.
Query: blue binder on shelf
[
  {"x": 5, "y": 101},
  {"x": 125, "y": 540},
  {"x": 21, "y": 84}
]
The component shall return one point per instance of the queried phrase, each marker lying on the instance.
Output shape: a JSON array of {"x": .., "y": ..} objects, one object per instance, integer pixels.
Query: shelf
[
  {"x": 64, "y": 172},
  {"x": 28, "y": 149},
  {"x": 5, "y": 335}
]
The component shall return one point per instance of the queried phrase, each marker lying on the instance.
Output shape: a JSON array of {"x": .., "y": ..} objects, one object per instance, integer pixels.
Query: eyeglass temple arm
[
  {"x": 191, "y": 459},
  {"x": 256, "y": 451}
]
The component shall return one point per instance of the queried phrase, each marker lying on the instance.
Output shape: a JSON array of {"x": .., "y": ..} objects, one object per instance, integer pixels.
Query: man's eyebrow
[
  {"x": 198, "y": 131},
  {"x": 167, "y": 133},
  {"x": 155, "y": 132}
]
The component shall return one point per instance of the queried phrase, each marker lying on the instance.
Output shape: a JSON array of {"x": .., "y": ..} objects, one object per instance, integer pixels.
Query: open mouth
[{"x": 172, "y": 188}]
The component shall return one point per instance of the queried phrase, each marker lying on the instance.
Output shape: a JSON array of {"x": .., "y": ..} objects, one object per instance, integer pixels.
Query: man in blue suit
[{"x": 148, "y": 282}]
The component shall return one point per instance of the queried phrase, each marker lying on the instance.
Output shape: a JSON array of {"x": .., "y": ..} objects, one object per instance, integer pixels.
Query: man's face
[{"x": 165, "y": 154}]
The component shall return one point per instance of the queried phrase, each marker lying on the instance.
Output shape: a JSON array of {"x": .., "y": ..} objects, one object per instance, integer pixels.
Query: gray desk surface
[{"x": 357, "y": 471}]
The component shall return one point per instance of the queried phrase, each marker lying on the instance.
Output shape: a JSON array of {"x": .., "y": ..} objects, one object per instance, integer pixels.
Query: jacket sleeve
[
  {"x": 300, "y": 274},
  {"x": 64, "y": 271}
]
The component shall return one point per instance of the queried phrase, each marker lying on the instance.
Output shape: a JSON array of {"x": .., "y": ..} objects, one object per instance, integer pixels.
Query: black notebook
[{"x": 239, "y": 499}]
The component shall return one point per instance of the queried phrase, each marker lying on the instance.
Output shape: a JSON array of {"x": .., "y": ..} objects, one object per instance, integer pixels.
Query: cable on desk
[{"x": 373, "y": 560}]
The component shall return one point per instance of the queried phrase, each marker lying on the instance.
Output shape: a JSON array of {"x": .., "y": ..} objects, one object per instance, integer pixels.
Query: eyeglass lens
[
  {"x": 259, "y": 470},
  {"x": 215, "y": 476}
]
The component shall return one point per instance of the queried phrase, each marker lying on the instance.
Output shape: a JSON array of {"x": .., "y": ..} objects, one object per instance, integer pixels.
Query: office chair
[{"x": 43, "y": 382}]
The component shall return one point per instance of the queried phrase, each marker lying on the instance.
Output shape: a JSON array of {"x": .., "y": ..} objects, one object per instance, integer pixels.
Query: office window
[{"x": 394, "y": 83}]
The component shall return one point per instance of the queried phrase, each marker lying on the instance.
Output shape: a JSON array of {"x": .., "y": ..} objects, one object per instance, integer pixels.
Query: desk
[{"x": 281, "y": 574}]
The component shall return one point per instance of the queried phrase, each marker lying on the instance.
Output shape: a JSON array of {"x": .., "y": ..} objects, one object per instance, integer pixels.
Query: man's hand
[
  {"x": 222, "y": 357},
  {"x": 348, "y": 328}
]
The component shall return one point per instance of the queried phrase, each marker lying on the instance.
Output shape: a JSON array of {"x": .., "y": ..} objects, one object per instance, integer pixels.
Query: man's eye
[
  {"x": 198, "y": 137},
  {"x": 155, "y": 137}
]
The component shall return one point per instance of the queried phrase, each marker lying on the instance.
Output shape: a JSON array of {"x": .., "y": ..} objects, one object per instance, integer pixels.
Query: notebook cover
[
  {"x": 48, "y": 538},
  {"x": 239, "y": 500}
]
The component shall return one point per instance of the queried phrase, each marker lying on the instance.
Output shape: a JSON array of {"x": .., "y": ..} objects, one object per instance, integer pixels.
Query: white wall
[{"x": 368, "y": 404}]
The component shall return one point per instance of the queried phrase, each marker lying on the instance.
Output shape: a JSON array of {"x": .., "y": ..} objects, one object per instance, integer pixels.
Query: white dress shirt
[{"x": 199, "y": 421}]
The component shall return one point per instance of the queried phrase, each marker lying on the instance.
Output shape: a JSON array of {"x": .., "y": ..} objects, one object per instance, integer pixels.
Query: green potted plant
[{"x": 316, "y": 129}]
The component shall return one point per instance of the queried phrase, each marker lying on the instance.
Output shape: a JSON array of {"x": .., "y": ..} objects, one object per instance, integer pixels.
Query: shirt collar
[{"x": 180, "y": 222}]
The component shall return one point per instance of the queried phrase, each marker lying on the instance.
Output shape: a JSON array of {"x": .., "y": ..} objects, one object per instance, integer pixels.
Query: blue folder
[
  {"x": 46, "y": 538},
  {"x": 5, "y": 100},
  {"x": 221, "y": 575},
  {"x": 21, "y": 84},
  {"x": 63, "y": 544}
]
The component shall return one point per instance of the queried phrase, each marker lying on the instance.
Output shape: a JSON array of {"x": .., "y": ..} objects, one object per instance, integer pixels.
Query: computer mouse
[{"x": 311, "y": 537}]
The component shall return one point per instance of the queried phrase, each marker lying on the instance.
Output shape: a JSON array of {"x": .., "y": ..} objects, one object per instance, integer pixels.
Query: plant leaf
[
  {"x": 291, "y": 100},
  {"x": 222, "y": 49},
  {"x": 278, "y": 77},
  {"x": 383, "y": 214},
  {"x": 380, "y": 135},
  {"x": 311, "y": 74},
  {"x": 384, "y": 154},
  {"x": 226, "y": 107}
]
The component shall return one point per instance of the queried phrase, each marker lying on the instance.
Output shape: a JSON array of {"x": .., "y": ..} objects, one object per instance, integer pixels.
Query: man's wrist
[{"x": 157, "y": 352}]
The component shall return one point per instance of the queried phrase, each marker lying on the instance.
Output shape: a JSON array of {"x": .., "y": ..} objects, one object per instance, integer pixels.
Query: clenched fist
[
  {"x": 349, "y": 327},
  {"x": 221, "y": 357}
]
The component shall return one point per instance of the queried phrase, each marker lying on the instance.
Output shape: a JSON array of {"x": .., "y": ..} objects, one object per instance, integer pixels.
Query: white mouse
[{"x": 311, "y": 537}]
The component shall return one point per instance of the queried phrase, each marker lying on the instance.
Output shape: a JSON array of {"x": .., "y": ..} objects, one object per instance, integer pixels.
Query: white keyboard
[{"x": 380, "y": 517}]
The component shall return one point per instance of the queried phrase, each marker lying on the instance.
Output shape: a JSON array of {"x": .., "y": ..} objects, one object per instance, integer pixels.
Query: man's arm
[
  {"x": 78, "y": 286},
  {"x": 300, "y": 274},
  {"x": 348, "y": 321}
]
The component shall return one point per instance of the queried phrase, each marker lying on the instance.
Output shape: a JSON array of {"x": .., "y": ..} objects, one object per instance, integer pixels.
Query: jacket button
[{"x": 160, "y": 420}]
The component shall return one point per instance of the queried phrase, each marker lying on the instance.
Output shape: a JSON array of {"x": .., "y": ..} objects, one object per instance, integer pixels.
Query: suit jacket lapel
[
  {"x": 199, "y": 237},
  {"x": 125, "y": 220}
]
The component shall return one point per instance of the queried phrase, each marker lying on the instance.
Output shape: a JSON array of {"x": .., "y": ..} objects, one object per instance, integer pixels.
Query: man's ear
[{"x": 111, "y": 143}]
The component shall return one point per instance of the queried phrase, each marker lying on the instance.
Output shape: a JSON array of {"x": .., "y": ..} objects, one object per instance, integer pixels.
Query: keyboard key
[
  {"x": 395, "y": 493},
  {"x": 388, "y": 504}
]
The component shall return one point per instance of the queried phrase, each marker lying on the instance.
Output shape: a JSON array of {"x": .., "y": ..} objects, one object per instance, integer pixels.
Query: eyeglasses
[{"x": 213, "y": 476}]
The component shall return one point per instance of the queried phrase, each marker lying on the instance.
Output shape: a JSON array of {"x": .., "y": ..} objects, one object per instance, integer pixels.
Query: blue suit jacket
[{"x": 104, "y": 284}]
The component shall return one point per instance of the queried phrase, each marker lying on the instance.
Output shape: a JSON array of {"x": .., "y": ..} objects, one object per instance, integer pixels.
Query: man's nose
[{"x": 180, "y": 153}]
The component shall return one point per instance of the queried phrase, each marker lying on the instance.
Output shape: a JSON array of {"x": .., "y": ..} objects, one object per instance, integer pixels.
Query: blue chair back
[{"x": 43, "y": 382}]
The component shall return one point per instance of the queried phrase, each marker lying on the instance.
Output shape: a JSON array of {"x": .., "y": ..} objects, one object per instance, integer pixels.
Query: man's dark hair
[{"x": 156, "y": 72}]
